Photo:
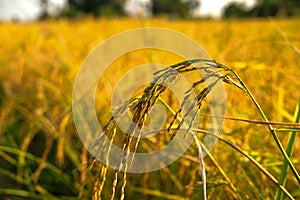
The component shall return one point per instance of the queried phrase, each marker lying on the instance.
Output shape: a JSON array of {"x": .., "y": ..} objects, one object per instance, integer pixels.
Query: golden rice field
[{"x": 42, "y": 157}]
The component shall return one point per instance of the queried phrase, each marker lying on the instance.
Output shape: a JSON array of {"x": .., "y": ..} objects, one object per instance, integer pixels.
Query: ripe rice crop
[{"x": 41, "y": 155}]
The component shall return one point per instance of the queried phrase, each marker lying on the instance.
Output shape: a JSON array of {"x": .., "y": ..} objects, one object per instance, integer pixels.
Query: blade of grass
[
  {"x": 12, "y": 176},
  {"x": 8, "y": 158},
  {"x": 289, "y": 151},
  {"x": 201, "y": 166},
  {"x": 23, "y": 193},
  {"x": 234, "y": 190},
  {"x": 67, "y": 179},
  {"x": 71, "y": 153}
]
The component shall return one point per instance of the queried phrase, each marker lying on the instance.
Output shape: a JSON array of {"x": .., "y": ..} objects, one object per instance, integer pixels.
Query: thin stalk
[
  {"x": 201, "y": 166},
  {"x": 272, "y": 130},
  {"x": 289, "y": 151},
  {"x": 257, "y": 164},
  {"x": 261, "y": 168},
  {"x": 296, "y": 130},
  {"x": 234, "y": 190},
  {"x": 254, "y": 121}
]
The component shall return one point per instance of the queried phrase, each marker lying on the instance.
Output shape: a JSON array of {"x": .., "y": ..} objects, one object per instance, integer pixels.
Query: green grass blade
[
  {"x": 23, "y": 194},
  {"x": 289, "y": 151},
  {"x": 12, "y": 176},
  {"x": 58, "y": 172}
]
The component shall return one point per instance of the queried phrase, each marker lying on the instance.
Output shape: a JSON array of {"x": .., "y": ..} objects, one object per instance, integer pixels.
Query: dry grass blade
[
  {"x": 201, "y": 166},
  {"x": 232, "y": 187}
]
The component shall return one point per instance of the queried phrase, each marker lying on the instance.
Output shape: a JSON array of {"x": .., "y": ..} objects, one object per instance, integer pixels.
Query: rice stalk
[
  {"x": 289, "y": 151},
  {"x": 271, "y": 129},
  {"x": 141, "y": 106},
  {"x": 261, "y": 168}
]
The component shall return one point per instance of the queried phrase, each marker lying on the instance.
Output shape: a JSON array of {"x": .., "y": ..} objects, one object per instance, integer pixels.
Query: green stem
[
  {"x": 273, "y": 132},
  {"x": 260, "y": 167},
  {"x": 289, "y": 151}
]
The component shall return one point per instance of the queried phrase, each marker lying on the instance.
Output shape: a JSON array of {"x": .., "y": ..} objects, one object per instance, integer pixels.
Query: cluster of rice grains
[{"x": 140, "y": 107}]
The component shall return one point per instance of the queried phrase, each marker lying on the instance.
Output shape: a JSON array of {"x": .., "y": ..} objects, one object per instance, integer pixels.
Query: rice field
[{"x": 42, "y": 156}]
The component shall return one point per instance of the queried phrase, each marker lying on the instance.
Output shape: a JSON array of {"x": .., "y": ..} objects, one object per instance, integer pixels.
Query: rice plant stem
[
  {"x": 259, "y": 166},
  {"x": 289, "y": 151},
  {"x": 262, "y": 169},
  {"x": 273, "y": 132}
]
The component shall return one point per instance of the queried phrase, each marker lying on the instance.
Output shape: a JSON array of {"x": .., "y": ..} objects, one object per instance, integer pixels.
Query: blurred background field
[{"x": 42, "y": 157}]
